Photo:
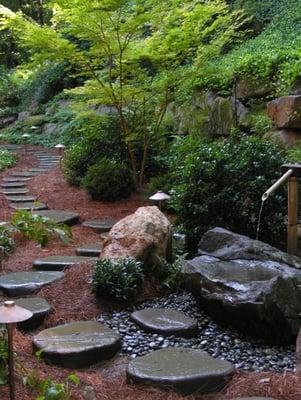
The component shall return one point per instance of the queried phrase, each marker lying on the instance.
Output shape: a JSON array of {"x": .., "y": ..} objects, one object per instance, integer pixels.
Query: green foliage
[
  {"x": 38, "y": 228},
  {"x": 108, "y": 180},
  {"x": 7, "y": 244},
  {"x": 169, "y": 274},
  {"x": 3, "y": 357},
  {"x": 7, "y": 159},
  {"x": 119, "y": 280},
  {"x": 220, "y": 184},
  {"x": 294, "y": 155}
]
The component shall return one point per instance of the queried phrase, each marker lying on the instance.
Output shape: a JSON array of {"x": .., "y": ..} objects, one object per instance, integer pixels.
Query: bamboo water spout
[{"x": 276, "y": 185}]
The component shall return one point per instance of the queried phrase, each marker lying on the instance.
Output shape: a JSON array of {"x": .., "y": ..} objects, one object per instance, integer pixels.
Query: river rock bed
[{"x": 243, "y": 352}]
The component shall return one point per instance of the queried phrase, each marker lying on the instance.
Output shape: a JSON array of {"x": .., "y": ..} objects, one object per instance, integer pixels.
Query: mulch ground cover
[{"x": 72, "y": 300}]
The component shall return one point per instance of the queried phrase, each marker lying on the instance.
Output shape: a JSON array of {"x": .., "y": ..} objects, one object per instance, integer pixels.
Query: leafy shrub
[
  {"x": 7, "y": 244},
  {"x": 7, "y": 159},
  {"x": 108, "y": 180},
  {"x": 38, "y": 228},
  {"x": 3, "y": 357},
  {"x": 220, "y": 184},
  {"x": 119, "y": 280},
  {"x": 169, "y": 273}
]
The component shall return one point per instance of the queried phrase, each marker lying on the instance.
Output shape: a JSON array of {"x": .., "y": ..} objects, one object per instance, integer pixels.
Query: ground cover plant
[{"x": 7, "y": 159}]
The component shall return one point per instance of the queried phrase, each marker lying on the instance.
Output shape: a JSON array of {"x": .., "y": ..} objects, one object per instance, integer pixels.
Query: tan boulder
[
  {"x": 144, "y": 235},
  {"x": 285, "y": 112},
  {"x": 288, "y": 138}
]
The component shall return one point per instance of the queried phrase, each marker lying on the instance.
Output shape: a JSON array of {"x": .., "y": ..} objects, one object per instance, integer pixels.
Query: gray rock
[
  {"x": 22, "y": 116},
  {"x": 78, "y": 344},
  {"x": 23, "y": 283},
  {"x": 100, "y": 225},
  {"x": 20, "y": 199},
  {"x": 185, "y": 370},
  {"x": 38, "y": 306},
  {"x": 50, "y": 128},
  {"x": 11, "y": 185},
  {"x": 63, "y": 217},
  {"x": 29, "y": 205},
  {"x": 165, "y": 321},
  {"x": 15, "y": 179},
  {"x": 14, "y": 191},
  {"x": 247, "y": 284},
  {"x": 57, "y": 263},
  {"x": 89, "y": 250}
]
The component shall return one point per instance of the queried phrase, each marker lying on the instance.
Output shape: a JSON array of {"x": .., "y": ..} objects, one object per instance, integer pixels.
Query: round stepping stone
[
  {"x": 89, "y": 250},
  {"x": 185, "y": 370},
  {"x": 63, "y": 217},
  {"x": 78, "y": 344},
  {"x": 57, "y": 263},
  {"x": 165, "y": 321},
  {"x": 23, "y": 283},
  {"x": 100, "y": 225},
  {"x": 29, "y": 205},
  {"x": 7, "y": 185},
  {"x": 20, "y": 199},
  {"x": 14, "y": 191},
  {"x": 39, "y": 307},
  {"x": 15, "y": 179}
]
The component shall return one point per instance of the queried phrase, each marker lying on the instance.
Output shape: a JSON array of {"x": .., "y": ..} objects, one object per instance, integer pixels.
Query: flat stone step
[
  {"x": 29, "y": 205},
  {"x": 15, "y": 179},
  {"x": 40, "y": 170},
  {"x": 20, "y": 199},
  {"x": 100, "y": 225},
  {"x": 61, "y": 217},
  {"x": 89, "y": 250},
  {"x": 15, "y": 191},
  {"x": 8, "y": 226},
  {"x": 57, "y": 263},
  {"x": 165, "y": 321},
  {"x": 253, "y": 398},
  {"x": 78, "y": 344},
  {"x": 24, "y": 174},
  {"x": 185, "y": 370},
  {"x": 7, "y": 185},
  {"x": 27, "y": 282},
  {"x": 39, "y": 307}
]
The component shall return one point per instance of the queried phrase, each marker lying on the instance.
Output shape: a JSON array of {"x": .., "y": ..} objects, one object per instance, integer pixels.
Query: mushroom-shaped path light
[
  {"x": 160, "y": 196},
  {"x": 25, "y": 136},
  {"x": 61, "y": 148},
  {"x": 10, "y": 314}
]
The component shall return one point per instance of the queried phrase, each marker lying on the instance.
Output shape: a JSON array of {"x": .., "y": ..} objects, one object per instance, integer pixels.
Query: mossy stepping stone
[
  {"x": 78, "y": 344},
  {"x": 29, "y": 205},
  {"x": 62, "y": 217},
  {"x": 100, "y": 225},
  {"x": 89, "y": 250},
  {"x": 15, "y": 179},
  {"x": 16, "y": 191},
  {"x": 23, "y": 283},
  {"x": 185, "y": 370},
  {"x": 10, "y": 185},
  {"x": 165, "y": 321},
  {"x": 24, "y": 174},
  {"x": 39, "y": 307},
  {"x": 20, "y": 199},
  {"x": 57, "y": 263}
]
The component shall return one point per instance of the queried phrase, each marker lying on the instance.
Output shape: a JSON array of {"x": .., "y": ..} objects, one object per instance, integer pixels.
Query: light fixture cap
[
  {"x": 26, "y": 135},
  {"x": 160, "y": 196},
  {"x": 10, "y": 313},
  {"x": 60, "y": 146}
]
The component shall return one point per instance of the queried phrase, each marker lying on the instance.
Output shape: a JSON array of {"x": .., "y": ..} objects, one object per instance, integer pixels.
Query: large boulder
[
  {"x": 247, "y": 284},
  {"x": 285, "y": 112},
  {"x": 144, "y": 235},
  {"x": 288, "y": 138}
]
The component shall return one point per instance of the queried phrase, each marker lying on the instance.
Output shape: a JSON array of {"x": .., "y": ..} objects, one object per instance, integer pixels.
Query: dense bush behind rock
[{"x": 221, "y": 183}]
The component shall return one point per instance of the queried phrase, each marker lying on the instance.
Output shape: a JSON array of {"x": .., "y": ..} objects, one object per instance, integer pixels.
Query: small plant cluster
[
  {"x": 7, "y": 244},
  {"x": 38, "y": 228},
  {"x": 3, "y": 357},
  {"x": 7, "y": 159},
  {"x": 119, "y": 280}
]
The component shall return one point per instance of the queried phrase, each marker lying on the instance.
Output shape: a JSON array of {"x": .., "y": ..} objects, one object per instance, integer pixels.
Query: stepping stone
[
  {"x": 29, "y": 205},
  {"x": 89, "y": 250},
  {"x": 62, "y": 217},
  {"x": 38, "y": 306},
  {"x": 15, "y": 179},
  {"x": 78, "y": 344},
  {"x": 24, "y": 174},
  {"x": 57, "y": 263},
  {"x": 20, "y": 199},
  {"x": 23, "y": 283},
  {"x": 185, "y": 370},
  {"x": 165, "y": 321},
  {"x": 100, "y": 225},
  {"x": 253, "y": 398},
  {"x": 9, "y": 226},
  {"x": 15, "y": 191},
  {"x": 40, "y": 170},
  {"x": 7, "y": 185}
]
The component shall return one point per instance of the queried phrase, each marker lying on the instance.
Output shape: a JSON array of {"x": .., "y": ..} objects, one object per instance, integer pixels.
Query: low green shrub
[
  {"x": 7, "y": 244},
  {"x": 221, "y": 183},
  {"x": 38, "y": 228},
  {"x": 108, "y": 180},
  {"x": 117, "y": 280},
  {"x": 169, "y": 274},
  {"x": 3, "y": 357},
  {"x": 7, "y": 159}
]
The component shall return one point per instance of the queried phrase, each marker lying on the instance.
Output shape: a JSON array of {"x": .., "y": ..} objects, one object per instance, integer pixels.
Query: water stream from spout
[{"x": 259, "y": 219}]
